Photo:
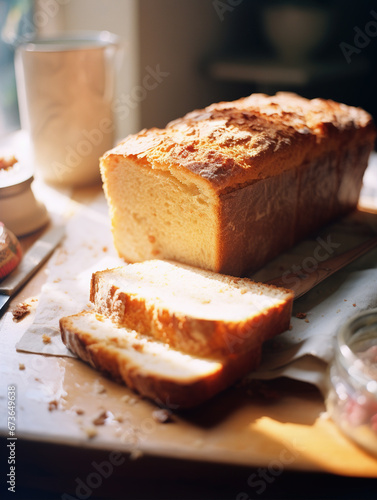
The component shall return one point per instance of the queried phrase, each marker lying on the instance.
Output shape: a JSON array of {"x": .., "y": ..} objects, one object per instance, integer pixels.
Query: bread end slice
[{"x": 150, "y": 367}]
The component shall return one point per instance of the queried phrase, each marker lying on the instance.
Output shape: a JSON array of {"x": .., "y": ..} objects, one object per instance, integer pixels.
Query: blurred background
[{"x": 184, "y": 54}]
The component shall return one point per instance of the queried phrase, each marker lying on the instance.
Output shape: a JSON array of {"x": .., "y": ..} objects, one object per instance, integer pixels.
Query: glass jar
[{"x": 352, "y": 395}]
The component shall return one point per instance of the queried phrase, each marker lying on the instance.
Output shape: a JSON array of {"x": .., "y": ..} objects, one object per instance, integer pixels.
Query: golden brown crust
[
  {"x": 272, "y": 170},
  {"x": 233, "y": 144},
  {"x": 197, "y": 336},
  {"x": 164, "y": 391}
]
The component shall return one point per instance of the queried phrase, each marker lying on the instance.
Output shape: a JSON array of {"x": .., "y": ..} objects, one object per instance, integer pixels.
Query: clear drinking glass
[{"x": 65, "y": 88}]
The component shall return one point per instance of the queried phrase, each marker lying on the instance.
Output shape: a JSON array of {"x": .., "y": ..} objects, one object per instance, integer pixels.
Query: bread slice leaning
[
  {"x": 198, "y": 312},
  {"x": 150, "y": 367}
]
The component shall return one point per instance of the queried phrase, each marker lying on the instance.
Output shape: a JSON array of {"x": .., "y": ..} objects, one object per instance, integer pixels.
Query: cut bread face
[
  {"x": 198, "y": 312},
  {"x": 153, "y": 211},
  {"x": 148, "y": 366}
]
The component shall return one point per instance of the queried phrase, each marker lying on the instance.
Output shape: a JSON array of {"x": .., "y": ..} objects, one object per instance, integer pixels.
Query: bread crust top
[{"x": 233, "y": 144}]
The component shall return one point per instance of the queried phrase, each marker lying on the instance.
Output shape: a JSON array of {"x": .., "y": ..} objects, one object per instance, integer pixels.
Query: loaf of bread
[
  {"x": 174, "y": 333},
  {"x": 150, "y": 367},
  {"x": 195, "y": 311},
  {"x": 229, "y": 187}
]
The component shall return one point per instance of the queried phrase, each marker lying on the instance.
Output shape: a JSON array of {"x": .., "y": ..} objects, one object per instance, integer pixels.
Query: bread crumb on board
[
  {"x": 53, "y": 405},
  {"x": 100, "y": 419},
  {"x": 21, "y": 366},
  {"x": 22, "y": 309},
  {"x": 162, "y": 416},
  {"x": 301, "y": 315},
  {"x": 46, "y": 339}
]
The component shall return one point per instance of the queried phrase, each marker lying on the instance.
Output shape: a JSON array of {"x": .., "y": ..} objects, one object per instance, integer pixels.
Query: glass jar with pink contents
[{"x": 352, "y": 395}]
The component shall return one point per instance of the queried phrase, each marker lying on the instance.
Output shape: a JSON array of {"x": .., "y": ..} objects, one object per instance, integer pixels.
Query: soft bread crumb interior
[
  {"x": 153, "y": 212},
  {"x": 149, "y": 356},
  {"x": 193, "y": 292}
]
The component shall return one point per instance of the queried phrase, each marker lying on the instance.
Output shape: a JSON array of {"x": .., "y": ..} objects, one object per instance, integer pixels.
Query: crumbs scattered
[
  {"x": 306, "y": 320},
  {"x": 162, "y": 416},
  {"x": 105, "y": 249},
  {"x": 21, "y": 366},
  {"x": 354, "y": 305},
  {"x": 46, "y": 339},
  {"x": 301, "y": 315},
  {"x": 23, "y": 309},
  {"x": 20, "y": 311},
  {"x": 53, "y": 405},
  {"x": 290, "y": 327},
  {"x": 79, "y": 411},
  {"x": 100, "y": 419}
]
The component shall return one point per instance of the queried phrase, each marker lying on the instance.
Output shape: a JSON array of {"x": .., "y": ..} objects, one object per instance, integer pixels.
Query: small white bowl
[{"x": 19, "y": 210}]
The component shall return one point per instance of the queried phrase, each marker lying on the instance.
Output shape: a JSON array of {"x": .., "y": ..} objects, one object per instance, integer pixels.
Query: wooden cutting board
[{"x": 281, "y": 422}]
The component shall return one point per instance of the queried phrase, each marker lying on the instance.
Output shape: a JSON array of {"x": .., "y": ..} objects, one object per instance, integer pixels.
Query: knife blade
[
  {"x": 301, "y": 282},
  {"x": 32, "y": 260}
]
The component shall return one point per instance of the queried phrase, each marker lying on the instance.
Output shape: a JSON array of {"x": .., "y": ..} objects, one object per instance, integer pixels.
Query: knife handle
[{"x": 33, "y": 259}]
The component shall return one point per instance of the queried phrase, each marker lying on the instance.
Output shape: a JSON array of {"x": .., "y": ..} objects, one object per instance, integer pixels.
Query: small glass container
[{"x": 352, "y": 395}]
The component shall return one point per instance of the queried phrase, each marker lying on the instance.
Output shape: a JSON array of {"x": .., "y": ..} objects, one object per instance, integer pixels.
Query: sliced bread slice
[
  {"x": 151, "y": 367},
  {"x": 196, "y": 311}
]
